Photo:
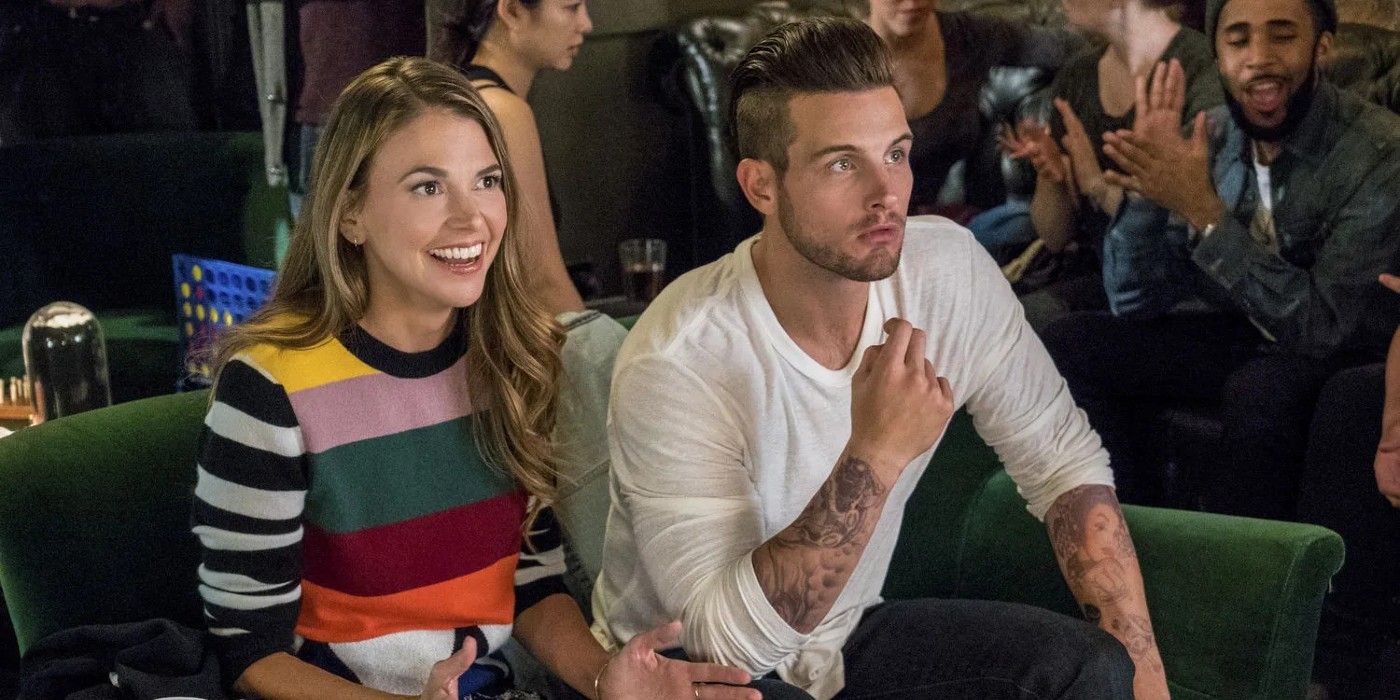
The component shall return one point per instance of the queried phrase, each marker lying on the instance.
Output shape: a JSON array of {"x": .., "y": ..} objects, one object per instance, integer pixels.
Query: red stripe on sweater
[{"x": 414, "y": 553}]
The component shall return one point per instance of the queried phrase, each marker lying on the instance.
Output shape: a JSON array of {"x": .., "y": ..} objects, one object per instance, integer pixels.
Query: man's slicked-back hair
[{"x": 816, "y": 55}]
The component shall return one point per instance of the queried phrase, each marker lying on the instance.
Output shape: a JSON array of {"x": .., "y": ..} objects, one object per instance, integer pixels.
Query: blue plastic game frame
[{"x": 210, "y": 296}]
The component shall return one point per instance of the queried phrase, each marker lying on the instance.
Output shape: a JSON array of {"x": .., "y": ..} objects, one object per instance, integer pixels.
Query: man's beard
[
  {"x": 874, "y": 269},
  {"x": 1294, "y": 110}
]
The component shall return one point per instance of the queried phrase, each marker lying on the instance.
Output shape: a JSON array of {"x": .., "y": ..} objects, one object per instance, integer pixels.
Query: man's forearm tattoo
[
  {"x": 803, "y": 568},
  {"x": 1094, "y": 548},
  {"x": 836, "y": 515}
]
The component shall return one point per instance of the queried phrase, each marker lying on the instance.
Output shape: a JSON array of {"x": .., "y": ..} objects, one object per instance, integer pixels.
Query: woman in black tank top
[{"x": 501, "y": 45}]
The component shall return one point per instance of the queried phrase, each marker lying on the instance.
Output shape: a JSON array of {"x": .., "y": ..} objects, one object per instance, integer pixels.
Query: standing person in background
[
  {"x": 339, "y": 39},
  {"x": 374, "y": 484},
  {"x": 1094, "y": 93},
  {"x": 941, "y": 61},
  {"x": 502, "y": 45},
  {"x": 86, "y": 67}
]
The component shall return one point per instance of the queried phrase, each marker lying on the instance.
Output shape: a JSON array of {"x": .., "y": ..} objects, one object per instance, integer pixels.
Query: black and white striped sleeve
[
  {"x": 249, "y": 497},
  {"x": 540, "y": 573}
]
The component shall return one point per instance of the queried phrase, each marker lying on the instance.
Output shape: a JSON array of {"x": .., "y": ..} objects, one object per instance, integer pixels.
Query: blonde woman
[{"x": 377, "y": 442}]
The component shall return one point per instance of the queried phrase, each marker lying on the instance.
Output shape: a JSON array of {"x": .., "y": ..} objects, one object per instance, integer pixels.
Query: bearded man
[
  {"x": 1279, "y": 211},
  {"x": 772, "y": 412}
]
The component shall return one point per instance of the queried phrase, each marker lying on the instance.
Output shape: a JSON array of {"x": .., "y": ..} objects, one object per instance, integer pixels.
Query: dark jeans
[
  {"x": 934, "y": 648},
  {"x": 1361, "y": 616},
  {"x": 1124, "y": 371},
  {"x": 91, "y": 72},
  {"x": 1339, "y": 492}
]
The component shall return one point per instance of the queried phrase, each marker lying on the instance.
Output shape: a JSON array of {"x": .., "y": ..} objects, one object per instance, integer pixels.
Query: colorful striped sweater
[{"x": 347, "y": 516}]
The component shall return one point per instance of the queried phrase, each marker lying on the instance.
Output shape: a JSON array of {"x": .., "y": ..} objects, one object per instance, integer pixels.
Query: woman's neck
[
  {"x": 510, "y": 65},
  {"x": 1139, "y": 36},
  {"x": 409, "y": 332}
]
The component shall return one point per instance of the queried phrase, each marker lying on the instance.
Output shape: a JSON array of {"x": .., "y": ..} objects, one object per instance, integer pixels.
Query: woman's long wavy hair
[{"x": 322, "y": 289}]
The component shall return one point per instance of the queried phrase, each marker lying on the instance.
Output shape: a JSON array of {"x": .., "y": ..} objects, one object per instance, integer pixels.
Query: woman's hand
[
  {"x": 639, "y": 673},
  {"x": 442, "y": 679},
  {"x": 1031, "y": 140},
  {"x": 1084, "y": 162}
]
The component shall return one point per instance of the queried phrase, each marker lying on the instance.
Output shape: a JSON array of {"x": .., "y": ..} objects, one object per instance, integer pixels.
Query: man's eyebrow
[{"x": 1243, "y": 25}]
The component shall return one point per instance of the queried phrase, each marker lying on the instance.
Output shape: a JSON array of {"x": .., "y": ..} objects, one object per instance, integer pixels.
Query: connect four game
[{"x": 211, "y": 295}]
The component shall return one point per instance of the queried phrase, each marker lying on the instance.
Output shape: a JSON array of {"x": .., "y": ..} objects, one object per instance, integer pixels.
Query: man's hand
[
  {"x": 1388, "y": 451},
  {"x": 442, "y": 678},
  {"x": 899, "y": 405},
  {"x": 1156, "y": 161}
]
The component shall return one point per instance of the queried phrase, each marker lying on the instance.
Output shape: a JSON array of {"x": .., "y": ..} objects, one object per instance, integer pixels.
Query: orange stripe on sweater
[{"x": 484, "y": 597}]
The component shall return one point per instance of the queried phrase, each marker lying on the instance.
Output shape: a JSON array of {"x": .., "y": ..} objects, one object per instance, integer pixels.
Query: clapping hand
[
  {"x": 1156, "y": 160},
  {"x": 639, "y": 673},
  {"x": 1031, "y": 140},
  {"x": 1084, "y": 163}
]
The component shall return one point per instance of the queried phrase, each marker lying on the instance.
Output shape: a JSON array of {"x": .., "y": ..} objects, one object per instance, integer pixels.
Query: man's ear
[
  {"x": 759, "y": 181},
  {"x": 1322, "y": 55}
]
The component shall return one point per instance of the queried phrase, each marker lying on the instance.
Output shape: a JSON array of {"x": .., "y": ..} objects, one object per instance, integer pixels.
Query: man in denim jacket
[{"x": 1280, "y": 209}]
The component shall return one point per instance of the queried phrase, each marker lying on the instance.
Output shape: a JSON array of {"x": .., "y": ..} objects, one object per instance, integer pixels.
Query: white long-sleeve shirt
[{"x": 721, "y": 429}]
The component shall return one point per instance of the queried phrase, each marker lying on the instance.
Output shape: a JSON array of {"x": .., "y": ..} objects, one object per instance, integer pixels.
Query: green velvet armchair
[{"x": 94, "y": 528}]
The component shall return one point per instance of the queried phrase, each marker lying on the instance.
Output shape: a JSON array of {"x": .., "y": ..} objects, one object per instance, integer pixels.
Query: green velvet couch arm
[
  {"x": 1234, "y": 601},
  {"x": 95, "y": 517}
]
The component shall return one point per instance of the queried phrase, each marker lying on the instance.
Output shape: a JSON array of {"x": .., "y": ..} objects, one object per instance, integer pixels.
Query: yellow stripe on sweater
[{"x": 296, "y": 370}]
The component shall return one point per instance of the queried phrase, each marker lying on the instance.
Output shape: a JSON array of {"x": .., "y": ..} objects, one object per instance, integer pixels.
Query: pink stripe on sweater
[{"x": 376, "y": 405}]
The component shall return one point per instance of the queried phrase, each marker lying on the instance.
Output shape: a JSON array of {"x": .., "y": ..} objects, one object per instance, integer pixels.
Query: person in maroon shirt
[{"x": 339, "y": 39}]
